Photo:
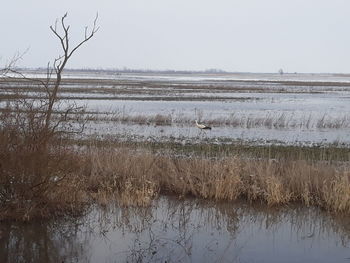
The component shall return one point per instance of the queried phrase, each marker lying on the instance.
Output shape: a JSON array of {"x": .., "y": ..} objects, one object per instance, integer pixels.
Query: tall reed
[{"x": 274, "y": 182}]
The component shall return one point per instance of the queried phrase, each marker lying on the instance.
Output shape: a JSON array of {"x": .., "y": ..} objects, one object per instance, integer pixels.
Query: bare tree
[
  {"x": 34, "y": 158},
  {"x": 60, "y": 62},
  {"x": 53, "y": 75}
]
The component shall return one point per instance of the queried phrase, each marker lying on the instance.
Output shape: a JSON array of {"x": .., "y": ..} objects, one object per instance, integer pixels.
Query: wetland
[{"x": 137, "y": 181}]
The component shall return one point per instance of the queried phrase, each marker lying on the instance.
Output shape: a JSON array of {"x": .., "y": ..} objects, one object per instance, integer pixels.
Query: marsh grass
[
  {"x": 63, "y": 180},
  {"x": 55, "y": 178},
  {"x": 331, "y": 154},
  {"x": 138, "y": 177},
  {"x": 47, "y": 180},
  {"x": 270, "y": 121},
  {"x": 39, "y": 183}
]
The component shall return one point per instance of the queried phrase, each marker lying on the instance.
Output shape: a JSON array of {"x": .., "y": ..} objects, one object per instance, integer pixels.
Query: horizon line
[{"x": 174, "y": 71}]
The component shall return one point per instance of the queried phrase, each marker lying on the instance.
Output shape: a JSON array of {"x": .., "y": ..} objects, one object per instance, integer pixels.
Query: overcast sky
[{"x": 233, "y": 35}]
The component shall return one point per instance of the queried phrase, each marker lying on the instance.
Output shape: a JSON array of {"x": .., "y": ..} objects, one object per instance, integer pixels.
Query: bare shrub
[{"x": 36, "y": 166}]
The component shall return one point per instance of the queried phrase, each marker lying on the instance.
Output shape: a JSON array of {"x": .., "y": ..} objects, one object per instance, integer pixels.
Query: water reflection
[
  {"x": 173, "y": 230},
  {"x": 42, "y": 243}
]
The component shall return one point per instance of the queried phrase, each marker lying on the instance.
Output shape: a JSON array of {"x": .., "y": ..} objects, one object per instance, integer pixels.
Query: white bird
[{"x": 202, "y": 126}]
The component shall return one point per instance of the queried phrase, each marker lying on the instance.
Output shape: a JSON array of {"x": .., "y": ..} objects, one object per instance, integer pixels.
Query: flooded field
[
  {"x": 173, "y": 230},
  {"x": 299, "y": 109},
  {"x": 258, "y": 150}
]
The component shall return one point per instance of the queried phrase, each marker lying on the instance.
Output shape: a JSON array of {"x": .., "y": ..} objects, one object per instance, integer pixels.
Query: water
[
  {"x": 198, "y": 77},
  {"x": 189, "y": 134},
  {"x": 190, "y": 230},
  {"x": 303, "y": 100}
]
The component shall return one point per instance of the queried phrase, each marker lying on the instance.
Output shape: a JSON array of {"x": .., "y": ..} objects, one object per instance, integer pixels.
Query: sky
[{"x": 233, "y": 35}]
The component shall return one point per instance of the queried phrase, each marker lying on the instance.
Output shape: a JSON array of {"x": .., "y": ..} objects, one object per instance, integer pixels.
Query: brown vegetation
[
  {"x": 61, "y": 181},
  {"x": 274, "y": 182},
  {"x": 34, "y": 160}
]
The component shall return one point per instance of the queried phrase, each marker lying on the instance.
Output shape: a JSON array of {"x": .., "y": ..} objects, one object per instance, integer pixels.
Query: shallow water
[
  {"x": 189, "y": 134},
  {"x": 198, "y": 77},
  {"x": 245, "y": 102},
  {"x": 299, "y": 103},
  {"x": 182, "y": 231}
]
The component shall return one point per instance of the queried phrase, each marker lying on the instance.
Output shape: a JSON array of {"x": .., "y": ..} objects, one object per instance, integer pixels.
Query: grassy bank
[
  {"x": 62, "y": 180},
  {"x": 138, "y": 177}
]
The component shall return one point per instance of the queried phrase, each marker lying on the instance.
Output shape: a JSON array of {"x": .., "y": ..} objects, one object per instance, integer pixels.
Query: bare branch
[
  {"x": 87, "y": 37},
  {"x": 60, "y": 62},
  {"x": 9, "y": 67}
]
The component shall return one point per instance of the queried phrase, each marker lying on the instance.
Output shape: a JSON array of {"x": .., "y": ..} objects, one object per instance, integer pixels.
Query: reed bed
[
  {"x": 274, "y": 182},
  {"x": 64, "y": 181},
  {"x": 270, "y": 121}
]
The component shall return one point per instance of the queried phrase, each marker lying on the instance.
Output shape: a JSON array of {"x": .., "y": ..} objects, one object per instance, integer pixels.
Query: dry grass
[
  {"x": 113, "y": 174},
  {"x": 40, "y": 184},
  {"x": 39, "y": 173},
  {"x": 138, "y": 177},
  {"x": 44, "y": 184},
  {"x": 270, "y": 121}
]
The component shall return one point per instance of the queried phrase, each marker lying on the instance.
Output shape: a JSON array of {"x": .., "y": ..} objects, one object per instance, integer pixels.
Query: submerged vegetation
[{"x": 270, "y": 121}]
